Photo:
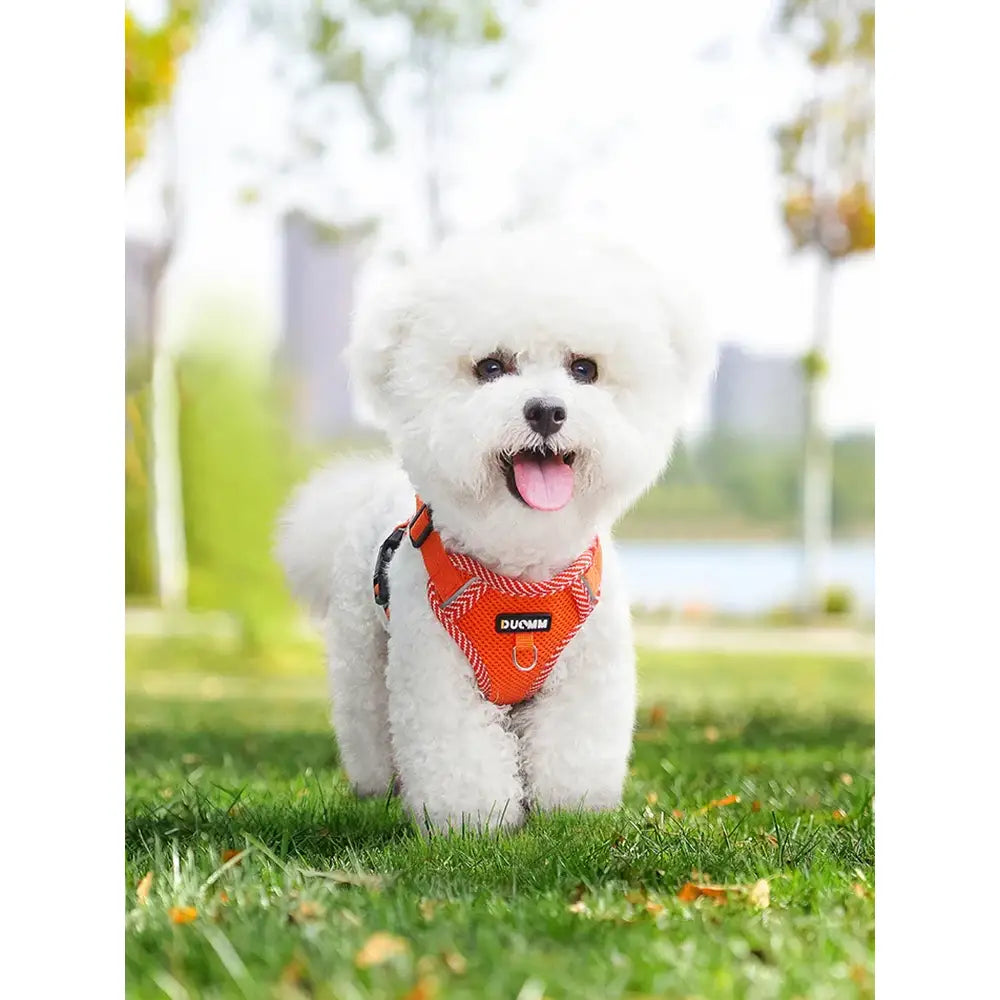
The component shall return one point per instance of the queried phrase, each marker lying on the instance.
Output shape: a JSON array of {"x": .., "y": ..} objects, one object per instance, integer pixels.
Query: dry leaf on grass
[
  {"x": 689, "y": 892},
  {"x": 846, "y": 779},
  {"x": 379, "y": 948},
  {"x": 755, "y": 806},
  {"x": 307, "y": 910},
  {"x": 229, "y": 854},
  {"x": 142, "y": 889},
  {"x": 182, "y": 914},
  {"x": 456, "y": 963},
  {"x": 759, "y": 894},
  {"x": 859, "y": 890},
  {"x": 839, "y": 815},
  {"x": 711, "y": 734},
  {"x": 727, "y": 800},
  {"x": 366, "y": 880},
  {"x": 677, "y": 813},
  {"x": 652, "y": 798},
  {"x": 426, "y": 988},
  {"x": 657, "y": 715}
]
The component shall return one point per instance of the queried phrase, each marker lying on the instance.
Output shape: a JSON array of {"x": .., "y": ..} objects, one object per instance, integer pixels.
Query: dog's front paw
[{"x": 449, "y": 821}]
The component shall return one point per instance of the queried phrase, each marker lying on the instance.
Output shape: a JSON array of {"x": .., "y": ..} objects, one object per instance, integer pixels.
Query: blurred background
[{"x": 276, "y": 149}]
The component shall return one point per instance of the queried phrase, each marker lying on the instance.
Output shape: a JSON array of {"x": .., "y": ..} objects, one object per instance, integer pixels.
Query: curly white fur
[{"x": 407, "y": 706}]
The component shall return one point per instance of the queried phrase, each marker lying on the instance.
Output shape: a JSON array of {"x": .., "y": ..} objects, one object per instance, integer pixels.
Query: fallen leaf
[
  {"x": 379, "y": 948},
  {"x": 859, "y": 890},
  {"x": 712, "y": 734},
  {"x": 728, "y": 800},
  {"x": 293, "y": 974},
  {"x": 142, "y": 889},
  {"x": 657, "y": 715},
  {"x": 223, "y": 897},
  {"x": 425, "y": 989},
  {"x": 677, "y": 813},
  {"x": 759, "y": 894},
  {"x": 653, "y": 907},
  {"x": 771, "y": 839},
  {"x": 229, "y": 854},
  {"x": 456, "y": 963},
  {"x": 182, "y": 914},
  {"x": 839, "y": 815},
  {"x": 366, "y": 880},
  {"x": 846, "y": 779},
  {"x": 859, "y": 974},
  {"x": 652, "y": 798},
  {"x": 307, "y": 910},
  {"x": 690, "y": 892},
  {"x": 755, "y": 806}
]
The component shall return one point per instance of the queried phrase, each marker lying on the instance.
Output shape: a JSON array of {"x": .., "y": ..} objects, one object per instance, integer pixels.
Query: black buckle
[
  {"x": 425, "y": 534},
  {"x": 380, "y": 581}
]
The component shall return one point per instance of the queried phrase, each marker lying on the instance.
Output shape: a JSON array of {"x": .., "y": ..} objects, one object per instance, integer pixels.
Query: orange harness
[{"x": 510, "y": 630}]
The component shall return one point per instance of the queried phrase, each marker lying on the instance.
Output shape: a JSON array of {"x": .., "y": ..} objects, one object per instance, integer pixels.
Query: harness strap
[{"x": 447, "y": 579}]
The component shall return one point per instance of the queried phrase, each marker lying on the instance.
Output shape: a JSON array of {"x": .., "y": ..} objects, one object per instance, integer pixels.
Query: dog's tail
[{"x": 328, "y": 531}]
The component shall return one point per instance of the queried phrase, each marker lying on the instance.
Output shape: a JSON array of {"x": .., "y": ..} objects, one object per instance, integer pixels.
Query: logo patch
[{"x": 524, "y": 622}]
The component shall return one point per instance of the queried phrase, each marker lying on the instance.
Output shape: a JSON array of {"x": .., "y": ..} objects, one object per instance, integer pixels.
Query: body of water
[{"x": 738, "y": 577}]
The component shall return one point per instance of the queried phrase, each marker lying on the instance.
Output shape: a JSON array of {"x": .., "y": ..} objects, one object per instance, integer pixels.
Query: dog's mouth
[{"x": 541, "y": 478}]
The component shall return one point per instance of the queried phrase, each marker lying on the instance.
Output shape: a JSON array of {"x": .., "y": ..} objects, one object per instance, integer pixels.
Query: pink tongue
[{"x": 544, "y": 483}]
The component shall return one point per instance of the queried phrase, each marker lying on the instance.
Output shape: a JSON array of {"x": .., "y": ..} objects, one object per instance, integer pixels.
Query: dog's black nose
[{"x": 545, "y": 416}]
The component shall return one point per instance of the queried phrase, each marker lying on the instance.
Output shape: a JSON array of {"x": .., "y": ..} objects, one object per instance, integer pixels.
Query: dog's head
[{"x": 541, "y": 372}]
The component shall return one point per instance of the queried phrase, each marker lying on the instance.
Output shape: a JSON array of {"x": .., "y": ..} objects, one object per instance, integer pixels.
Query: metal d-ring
[{"x": 534, "y": 659}]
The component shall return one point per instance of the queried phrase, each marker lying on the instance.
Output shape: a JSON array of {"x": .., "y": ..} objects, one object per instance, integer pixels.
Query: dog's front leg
[
  {"x": 577, "y": 733},
  {"x": 454, "y": 752}
]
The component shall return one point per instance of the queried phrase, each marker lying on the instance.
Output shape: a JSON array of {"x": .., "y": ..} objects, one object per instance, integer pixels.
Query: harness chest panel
[{"x": 511, "y": 631}]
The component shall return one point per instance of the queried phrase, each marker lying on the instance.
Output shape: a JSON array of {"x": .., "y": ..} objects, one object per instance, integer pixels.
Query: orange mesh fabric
[{"x": 511, "y": 631}]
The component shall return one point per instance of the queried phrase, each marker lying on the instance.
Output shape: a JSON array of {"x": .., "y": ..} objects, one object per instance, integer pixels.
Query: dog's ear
[
  {"x": 378, "y": 327},
  {"x": 694, "y": 344}
]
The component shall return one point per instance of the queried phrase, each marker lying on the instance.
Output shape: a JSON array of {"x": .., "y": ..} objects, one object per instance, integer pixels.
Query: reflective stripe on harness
[{"x": 511, "y": 631}]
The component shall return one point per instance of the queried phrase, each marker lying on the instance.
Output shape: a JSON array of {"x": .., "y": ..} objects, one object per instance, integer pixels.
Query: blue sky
[{"x": 654, "y": 121}]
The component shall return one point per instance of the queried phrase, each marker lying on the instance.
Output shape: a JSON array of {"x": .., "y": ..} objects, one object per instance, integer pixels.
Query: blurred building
[
  {"x": 757, "y": 395},
  {"x": 318, "y": 275}
]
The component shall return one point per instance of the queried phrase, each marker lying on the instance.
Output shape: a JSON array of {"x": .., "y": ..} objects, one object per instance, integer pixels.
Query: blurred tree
[
  {"x": 826, "y": 166},
  {"x": 434, "y": 51},
  {"x": 152, "y": 55}
]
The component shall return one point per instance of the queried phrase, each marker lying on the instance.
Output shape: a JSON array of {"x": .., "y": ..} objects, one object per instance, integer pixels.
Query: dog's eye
[
  {"x": 489, "y": 369},
  {"x": 583, "y": 369}
]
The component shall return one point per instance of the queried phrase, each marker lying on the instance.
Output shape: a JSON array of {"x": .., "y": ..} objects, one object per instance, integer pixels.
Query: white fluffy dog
[{"x": 531, "y": 385}]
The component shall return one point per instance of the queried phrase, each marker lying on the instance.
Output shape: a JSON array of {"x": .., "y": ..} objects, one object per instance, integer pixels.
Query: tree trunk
[
  {"x": 168, "y": 504},
  {"x": 817, "y": 459}
]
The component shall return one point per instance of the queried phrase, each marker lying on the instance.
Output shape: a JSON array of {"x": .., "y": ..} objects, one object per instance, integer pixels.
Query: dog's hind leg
[{"x": 356, "y": 657}]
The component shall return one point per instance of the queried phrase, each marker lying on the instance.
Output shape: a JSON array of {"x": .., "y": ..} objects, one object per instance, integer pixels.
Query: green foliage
[
  {"x": 151, "y": 58},
  {"x": 732, "y": 487},
  {"x": 140, "y": 569},
  {"x": 838, "y": 601},
  {"x": 238, "y": 465},
  {"x": 825, "y": 155},
  {"x": 854, "y": 480},
  {"x": 575, "y": 906}
]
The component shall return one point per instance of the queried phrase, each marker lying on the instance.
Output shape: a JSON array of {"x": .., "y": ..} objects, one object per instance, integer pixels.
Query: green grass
[{"x": 226, "y": 753}]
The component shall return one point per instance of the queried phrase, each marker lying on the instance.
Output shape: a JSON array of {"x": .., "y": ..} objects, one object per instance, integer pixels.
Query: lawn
[{"x": 269, "y": 880}]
